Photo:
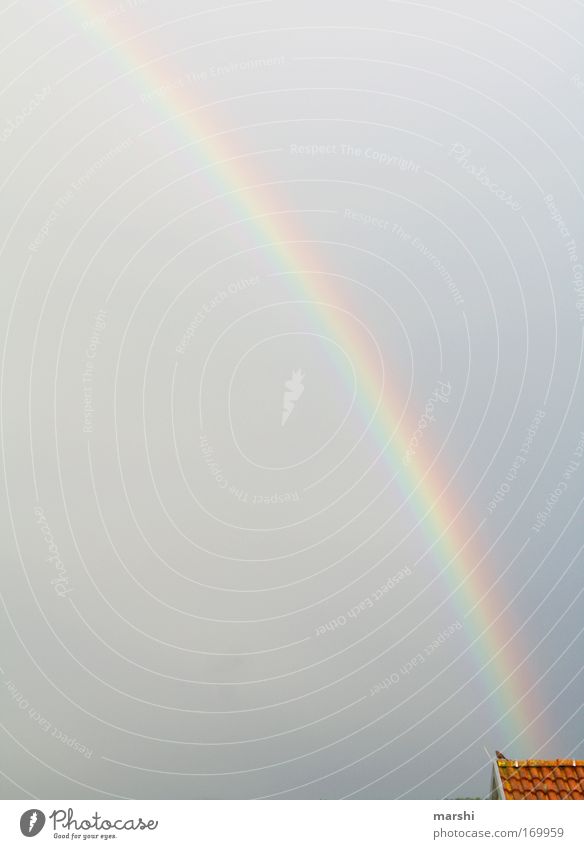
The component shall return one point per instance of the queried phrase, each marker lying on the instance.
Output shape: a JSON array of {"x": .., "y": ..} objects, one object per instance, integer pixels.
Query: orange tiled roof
[{"x": 561, "y": 779}]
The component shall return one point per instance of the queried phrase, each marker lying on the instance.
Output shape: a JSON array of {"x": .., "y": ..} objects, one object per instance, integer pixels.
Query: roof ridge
[{"x": 538, "y": 762}]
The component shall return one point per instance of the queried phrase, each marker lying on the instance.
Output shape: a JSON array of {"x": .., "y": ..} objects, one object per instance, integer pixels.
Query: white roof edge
[{"x": 499, "y": 781}]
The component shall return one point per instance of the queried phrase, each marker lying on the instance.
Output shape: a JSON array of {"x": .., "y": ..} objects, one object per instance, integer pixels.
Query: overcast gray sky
[{"x": 292, "y": 314}]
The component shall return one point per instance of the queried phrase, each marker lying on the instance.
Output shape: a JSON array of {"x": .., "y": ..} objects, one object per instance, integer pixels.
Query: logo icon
[
  {"x": 294, "y": 389},
  {"x": 32, "y": 822}
]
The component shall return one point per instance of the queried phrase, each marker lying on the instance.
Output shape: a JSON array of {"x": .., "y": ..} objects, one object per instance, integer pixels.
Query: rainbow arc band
[{"x": 499, "y": 657}]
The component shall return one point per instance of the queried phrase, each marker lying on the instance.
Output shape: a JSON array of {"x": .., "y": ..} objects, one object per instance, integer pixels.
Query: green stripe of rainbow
[{"x": 496, "y": 647}]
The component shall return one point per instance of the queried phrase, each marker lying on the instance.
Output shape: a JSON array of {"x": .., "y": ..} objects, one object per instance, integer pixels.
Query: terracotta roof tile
[{"x": 561, "y": 779}]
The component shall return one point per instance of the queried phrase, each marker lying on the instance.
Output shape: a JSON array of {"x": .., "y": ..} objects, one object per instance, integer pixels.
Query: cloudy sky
[{"x": 291, "y": 315}]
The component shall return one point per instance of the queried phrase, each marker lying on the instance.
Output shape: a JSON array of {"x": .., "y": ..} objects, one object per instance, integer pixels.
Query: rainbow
[{"x": 499, "y": 657}]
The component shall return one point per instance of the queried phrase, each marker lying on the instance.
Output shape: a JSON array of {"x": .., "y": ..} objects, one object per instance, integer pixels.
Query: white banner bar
[{"x": 292, "y": 824}]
